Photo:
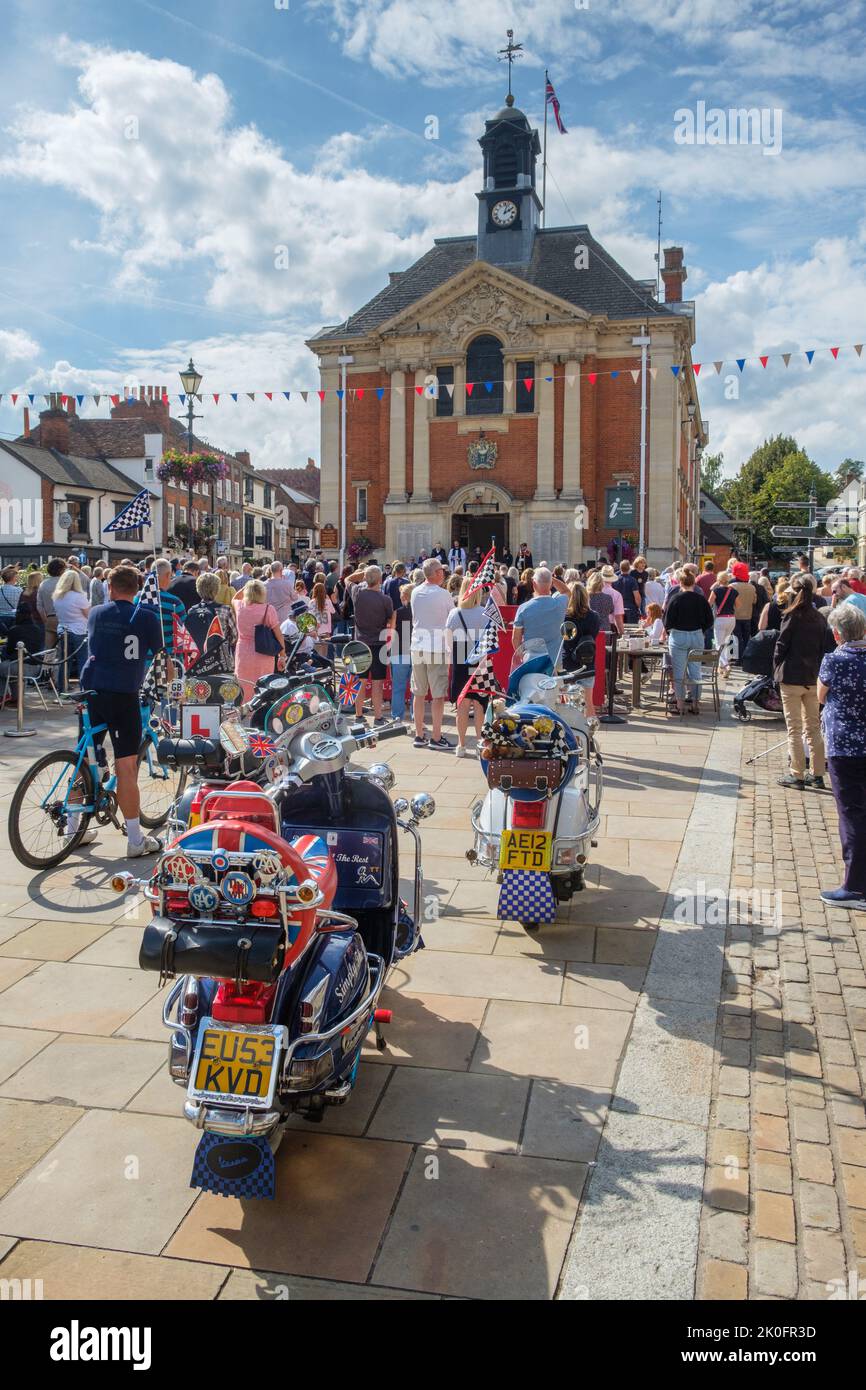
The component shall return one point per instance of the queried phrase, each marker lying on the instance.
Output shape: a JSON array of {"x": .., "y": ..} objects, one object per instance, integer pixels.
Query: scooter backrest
[{"x": 240, "y": 801}]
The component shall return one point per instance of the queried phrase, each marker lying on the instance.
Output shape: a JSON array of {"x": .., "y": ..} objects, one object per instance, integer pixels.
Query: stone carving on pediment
[{"x": 486, "y": 306}]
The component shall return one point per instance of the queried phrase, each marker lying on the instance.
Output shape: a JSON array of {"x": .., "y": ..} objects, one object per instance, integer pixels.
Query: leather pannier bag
[
  {"x": 524, "y": 774},
  {"x": 246, "y": 951}
]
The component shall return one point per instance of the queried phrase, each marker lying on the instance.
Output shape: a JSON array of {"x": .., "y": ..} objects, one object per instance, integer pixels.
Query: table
[{"x": 636, "y": 658}]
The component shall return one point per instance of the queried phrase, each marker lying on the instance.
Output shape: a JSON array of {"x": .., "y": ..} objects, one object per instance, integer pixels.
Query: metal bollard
[
  {"x": 19, "y": 731},
  {"x": 64, "y": 674}
]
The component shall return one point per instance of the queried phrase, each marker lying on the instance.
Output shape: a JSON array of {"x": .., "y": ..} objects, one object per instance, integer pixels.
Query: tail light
[
  {"x": 528, "y": 815},
  {"x": 189, "y": 1003},
  {"x": 235, "y": 1003},
  {"x": 176, "y": 904},
  {"x": 311, "y": 1006},
  {"x": 264, "y": 907}
]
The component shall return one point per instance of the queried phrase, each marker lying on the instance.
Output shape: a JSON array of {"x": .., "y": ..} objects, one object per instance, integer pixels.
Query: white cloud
[{"x": 17, "y": 346}]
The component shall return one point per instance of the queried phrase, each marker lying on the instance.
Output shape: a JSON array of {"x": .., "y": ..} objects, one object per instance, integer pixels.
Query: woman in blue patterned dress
[{"x": 842, "y": 690}]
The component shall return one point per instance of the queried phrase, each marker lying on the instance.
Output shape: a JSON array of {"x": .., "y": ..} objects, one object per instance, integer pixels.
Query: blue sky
[{"x": 155, "y": 158}]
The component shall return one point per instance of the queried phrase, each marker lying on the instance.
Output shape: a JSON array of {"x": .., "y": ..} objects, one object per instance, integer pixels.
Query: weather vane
[{"x": 507, "y": 55}]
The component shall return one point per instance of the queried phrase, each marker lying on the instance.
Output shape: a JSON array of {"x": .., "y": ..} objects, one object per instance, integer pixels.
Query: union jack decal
[{"x": 349, "y": 689}]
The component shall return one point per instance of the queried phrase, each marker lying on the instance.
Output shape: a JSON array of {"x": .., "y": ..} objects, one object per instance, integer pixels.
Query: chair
[
  {"x": 709, "y": 659},
  {"x": 38, "y": 667}
]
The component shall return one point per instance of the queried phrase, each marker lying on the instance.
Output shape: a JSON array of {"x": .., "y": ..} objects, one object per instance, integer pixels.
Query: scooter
[
  {"x": 278, "y": 917},
  {"x": 544, "y": 771}
]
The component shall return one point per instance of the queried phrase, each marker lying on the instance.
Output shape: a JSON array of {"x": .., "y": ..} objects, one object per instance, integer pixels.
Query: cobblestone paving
[{"x": 784, "y": 1212}]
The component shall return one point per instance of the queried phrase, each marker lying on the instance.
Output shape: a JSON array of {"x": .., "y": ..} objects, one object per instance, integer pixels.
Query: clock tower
[{"x": 508, "y": 205}]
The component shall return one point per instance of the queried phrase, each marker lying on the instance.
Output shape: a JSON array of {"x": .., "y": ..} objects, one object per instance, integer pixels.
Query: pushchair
[{"x": 757, "y": 661}]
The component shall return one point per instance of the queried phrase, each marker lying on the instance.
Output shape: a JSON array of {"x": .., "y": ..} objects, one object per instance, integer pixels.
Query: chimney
[
  {"x": 151, "y": 406},
  {"x": 54, "y": 427},
  {"x": 26, "y": 422},
  {"x": 394, "y": 276},
  {"x": 311, "y": 463},
  {"x": 673, "y": 274},
  {"x": 242, "y": 456}
]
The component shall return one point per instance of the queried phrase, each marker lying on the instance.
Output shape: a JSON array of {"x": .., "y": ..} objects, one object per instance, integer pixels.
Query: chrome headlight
[
  {"x": 422, "y": 805},
  {"x": 383, "y": 774}
]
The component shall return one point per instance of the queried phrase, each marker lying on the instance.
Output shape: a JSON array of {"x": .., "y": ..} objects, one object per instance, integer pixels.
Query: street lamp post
[
  {"x": 191, "y": 381},
  {"x": 344, "y": 361},
  {"x": 643, "y": 342}
]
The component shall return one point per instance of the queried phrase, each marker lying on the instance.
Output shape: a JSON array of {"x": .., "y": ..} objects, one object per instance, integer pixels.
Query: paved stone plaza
[{"x": 630, "y": 1104}]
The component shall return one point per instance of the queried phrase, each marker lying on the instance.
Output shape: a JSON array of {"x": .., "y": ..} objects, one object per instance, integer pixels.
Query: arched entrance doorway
[{"x": 480, "y": 516}]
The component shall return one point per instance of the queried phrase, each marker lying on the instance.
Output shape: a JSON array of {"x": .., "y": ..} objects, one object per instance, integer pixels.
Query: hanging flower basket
[
  {"x": 184, "y": 469},
  {"x": 358, "y": 549}
]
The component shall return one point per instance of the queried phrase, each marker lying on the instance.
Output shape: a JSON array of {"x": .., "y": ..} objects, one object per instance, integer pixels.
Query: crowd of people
[{"x": 422, "y": 619}]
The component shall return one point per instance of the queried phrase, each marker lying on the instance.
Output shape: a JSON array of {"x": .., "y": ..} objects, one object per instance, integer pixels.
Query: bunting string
[{"x": 431, "y": 388}]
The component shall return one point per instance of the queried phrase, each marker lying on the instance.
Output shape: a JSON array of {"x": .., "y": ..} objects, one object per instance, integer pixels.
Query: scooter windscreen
[{"x": 529, "y": 752}]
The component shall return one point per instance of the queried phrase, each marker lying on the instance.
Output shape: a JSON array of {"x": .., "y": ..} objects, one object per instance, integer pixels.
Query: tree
[
  {"x": 848, "y": 470},
  {"x": 778, "y": 471},
  {"x": 711, "y": 474}
]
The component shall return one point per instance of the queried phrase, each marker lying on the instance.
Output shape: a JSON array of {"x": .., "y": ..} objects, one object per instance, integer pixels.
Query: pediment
[{"x": 483, "y": 297}]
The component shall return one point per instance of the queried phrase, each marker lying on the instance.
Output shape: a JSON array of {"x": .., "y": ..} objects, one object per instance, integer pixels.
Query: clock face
[{"x": 504, "y": 213}]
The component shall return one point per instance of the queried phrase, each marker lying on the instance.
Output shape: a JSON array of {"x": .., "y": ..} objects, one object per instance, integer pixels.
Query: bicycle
[{"x": 70, "y": 783}]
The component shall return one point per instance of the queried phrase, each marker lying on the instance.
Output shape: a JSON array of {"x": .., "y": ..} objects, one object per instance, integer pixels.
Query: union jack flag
[
  {"x": 349, "y": 689},
  {"x": 486, "y": 572},
  {"x": 261, "y": 746},
  {"x": 552, "y": 100}
]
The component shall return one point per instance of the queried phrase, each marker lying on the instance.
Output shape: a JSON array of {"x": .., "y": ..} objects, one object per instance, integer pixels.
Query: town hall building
[{"x": 493, "y": 389}]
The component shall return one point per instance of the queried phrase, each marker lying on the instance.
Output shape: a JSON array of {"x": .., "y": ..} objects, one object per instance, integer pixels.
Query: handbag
[
  {"x": 265, "y": 639},
  {"x": 524, "y": 774}
]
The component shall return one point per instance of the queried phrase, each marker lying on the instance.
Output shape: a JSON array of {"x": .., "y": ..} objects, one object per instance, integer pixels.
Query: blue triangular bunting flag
[
  {"x": 810, "y": 355},
  {"x": 741, "y": 362},
  {"x": 675, "y": 370}
]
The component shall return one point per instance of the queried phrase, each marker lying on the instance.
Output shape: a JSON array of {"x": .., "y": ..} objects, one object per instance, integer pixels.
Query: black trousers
[{"x": 848, "y": 779}]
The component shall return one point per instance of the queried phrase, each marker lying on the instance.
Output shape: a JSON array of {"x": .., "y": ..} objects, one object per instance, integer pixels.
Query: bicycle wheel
[
  {"x": 39, "y": 813},
  {"x": 158, "y": 786}
]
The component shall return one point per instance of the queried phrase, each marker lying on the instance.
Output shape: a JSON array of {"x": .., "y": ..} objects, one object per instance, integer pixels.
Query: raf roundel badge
[
  {"x": 238, "y": 889},
  {"x": 203, "y": 898},
  {"x": 220, "y": 861}
]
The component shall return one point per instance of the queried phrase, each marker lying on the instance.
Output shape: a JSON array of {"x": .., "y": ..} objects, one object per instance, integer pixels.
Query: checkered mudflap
[
  {"x": 526, "y": 897},
  {"x": 234, "y": 1167}
]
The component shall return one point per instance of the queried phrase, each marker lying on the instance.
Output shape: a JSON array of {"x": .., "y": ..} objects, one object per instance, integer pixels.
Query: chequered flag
[
  {"x": 487, "y": 644},
  {"x": 150, "y": 591},
  {"x": 135, "y": 513},
  {"x": 481, "y": 682},
  {"x": 492, "y": 611},
  {"x": 485, "y": 575},
  {"x": 156, "y": 680}
]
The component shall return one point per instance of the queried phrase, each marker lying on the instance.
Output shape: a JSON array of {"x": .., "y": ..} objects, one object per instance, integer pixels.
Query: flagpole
[{"x": 544, "y": 157}]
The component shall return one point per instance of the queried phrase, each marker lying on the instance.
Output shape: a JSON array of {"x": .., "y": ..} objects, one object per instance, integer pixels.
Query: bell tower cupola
[{"x": 508, "y": 205}]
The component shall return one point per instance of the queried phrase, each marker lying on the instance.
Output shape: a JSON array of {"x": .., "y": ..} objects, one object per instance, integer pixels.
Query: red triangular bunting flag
[
  {"x": 321, "y": 395},
  {"x": 15, "y": 398},
  {"x": 528, "y": 382},
  {"x": 835, "y": 352},
  {"x": 593, "y": 377},
  {"x": 763, "y": 361},
  {"x": 696, "y": 368},
  {"x": 115, "y": 400},
  {"x": 270, "y": 395},
  {"x": 360, "y": 392},
  {"x": 216, "y": 399},
  {"x": 419, "y": 390},
  {"x": 470, "y": 387}
]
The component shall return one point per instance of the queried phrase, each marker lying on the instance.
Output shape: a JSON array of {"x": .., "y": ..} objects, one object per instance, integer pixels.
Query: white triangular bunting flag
[
  {"x": 635, "y": 373},
  {"x": 449, "y": 387},
  {"x": 570, "y": 380},
  {"x": 509, "y": 385},
  {"x": 304, "y": 395},
  {"x": 858, "y": 348},
  {"x": 399, "y": 390},
  {"x": 786, "y": 357},
  {"x": 96, "y": 400},
  {"x": 718, "y": 366},
  {"x": 652, "y": 372}
]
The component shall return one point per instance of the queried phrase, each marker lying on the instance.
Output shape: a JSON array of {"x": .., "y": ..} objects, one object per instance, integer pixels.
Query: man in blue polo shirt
[
  {"x": 537, "y": 622},
  {"x": 120, "y": 635}
]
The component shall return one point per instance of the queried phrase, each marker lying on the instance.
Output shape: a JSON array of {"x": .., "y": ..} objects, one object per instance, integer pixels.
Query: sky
[{"x": 220, "y": 178}]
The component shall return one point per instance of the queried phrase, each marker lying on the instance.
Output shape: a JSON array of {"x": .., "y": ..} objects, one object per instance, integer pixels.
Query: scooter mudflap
[
  {"x": 234, "y": 1167},
  {"x": 526, "y": 897}
]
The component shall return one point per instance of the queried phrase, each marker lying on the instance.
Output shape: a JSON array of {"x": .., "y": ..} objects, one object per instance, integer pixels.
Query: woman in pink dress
[{"x": 252, "y": 608}]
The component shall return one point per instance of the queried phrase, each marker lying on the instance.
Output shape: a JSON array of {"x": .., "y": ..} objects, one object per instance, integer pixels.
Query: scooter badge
[
  {"x": 238, "y": 889},
  {"x": 220, "y": 861},
  {"x": 203, "y": 898}
]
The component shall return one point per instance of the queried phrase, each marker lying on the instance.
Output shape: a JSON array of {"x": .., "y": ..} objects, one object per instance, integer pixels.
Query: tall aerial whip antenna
[{"x": 659, "y": 245}]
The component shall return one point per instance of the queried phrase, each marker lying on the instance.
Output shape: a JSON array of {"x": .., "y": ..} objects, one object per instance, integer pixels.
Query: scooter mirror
[
  {"x": 423, "y": 806},
  {"x": 568, "y": 631},
  {"x": 357, "y": 658},
  {"x": 586, "y": 652}
]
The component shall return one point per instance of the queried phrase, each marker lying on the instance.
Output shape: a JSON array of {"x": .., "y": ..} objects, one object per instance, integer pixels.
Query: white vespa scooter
[{"x": 544, "y": 776}]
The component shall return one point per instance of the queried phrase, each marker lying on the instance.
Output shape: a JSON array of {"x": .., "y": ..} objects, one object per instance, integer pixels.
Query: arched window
[{"x": 484, "y": 364}]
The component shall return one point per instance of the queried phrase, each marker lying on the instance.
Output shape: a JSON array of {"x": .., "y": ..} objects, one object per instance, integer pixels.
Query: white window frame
[
  {"x": 169, "y": 517},
  {"x": 361, "y": 491}
]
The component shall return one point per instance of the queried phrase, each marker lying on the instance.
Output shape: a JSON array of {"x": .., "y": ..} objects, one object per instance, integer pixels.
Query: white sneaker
[
  {"x": 151, "y": 844},
  {"x": 87, "y": 838},
  {"x": 460, "y": 751}
]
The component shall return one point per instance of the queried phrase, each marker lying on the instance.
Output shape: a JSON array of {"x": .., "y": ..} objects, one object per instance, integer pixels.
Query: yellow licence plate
[
  {"x": 236, "y": 1064},
  {"x": 526, "y": 849}
]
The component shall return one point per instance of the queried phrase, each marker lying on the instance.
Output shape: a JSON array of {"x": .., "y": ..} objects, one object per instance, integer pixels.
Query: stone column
[
  {"x": 460, "y": 387},
  {"x": 397, "y": 439},
  {"x": 420, "y": 442},
  {"x": 544, "y": 464},
  {"x": 663, "y": 455},
  {"x": 329, "y": 505},
  {"x": 509, "y": 392},
  {"x": 571, "y": 431}
]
